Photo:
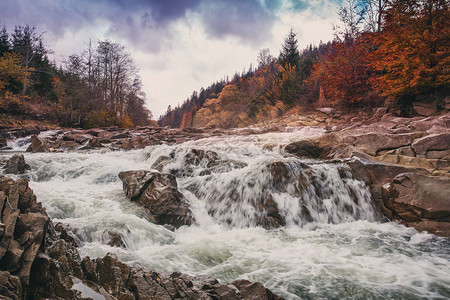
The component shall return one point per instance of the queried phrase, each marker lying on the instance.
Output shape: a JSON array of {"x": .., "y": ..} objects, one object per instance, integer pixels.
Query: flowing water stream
[{"x": 335, "y": 244}]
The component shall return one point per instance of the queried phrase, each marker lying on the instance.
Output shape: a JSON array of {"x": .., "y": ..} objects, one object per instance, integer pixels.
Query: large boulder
[
  {"x": 432, "y": 142},
  {"x": 419, "y": 201},
  {"x": 158, "y": 193},
  {"x": 16, "y": 165},
  {"x": 376, "y": 175},
  {"x": 38, "y": 144},
  {"x": 305, "y": 148},
  {"x": 372, "y": 143},
  {"x": 425, "y": 105},
  {"x": 327, "y": 146}
]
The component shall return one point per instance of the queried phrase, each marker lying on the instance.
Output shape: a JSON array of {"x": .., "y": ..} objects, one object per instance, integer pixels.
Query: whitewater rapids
[{"x": 338, "y": 254}]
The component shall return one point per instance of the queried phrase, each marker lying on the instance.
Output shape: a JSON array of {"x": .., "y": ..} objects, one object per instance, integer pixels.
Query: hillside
[{"x": 401, "y": 60}]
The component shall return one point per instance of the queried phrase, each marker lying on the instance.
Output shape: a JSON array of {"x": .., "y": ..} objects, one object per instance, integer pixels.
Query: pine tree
[
  {"x": 4, "y": 41},
  {"x": 289, "y": 54}
]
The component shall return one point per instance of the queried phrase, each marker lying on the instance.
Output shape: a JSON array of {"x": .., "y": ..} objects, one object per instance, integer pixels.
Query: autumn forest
[{"x": 383, "y": 51}]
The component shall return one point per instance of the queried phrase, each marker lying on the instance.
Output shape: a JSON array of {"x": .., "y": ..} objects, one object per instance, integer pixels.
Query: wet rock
[
  {"x": 93, "y": 144},
  {"x": 16, "y": 165},
  {"x": 305, "y": 148},
  {"x": 67, "y": 235},
  {"x": 419, "y": 201},
  {"x": 328, "y": 146},
  {"x": 3, "y": 143},
  {"x": 159, "y": 194},
  {"x": 25, "y": 131},
  {"x": 124, "y": 282},
  {"x": 112, "y": 275},
  {"x": 254, "y": 290},
  {"x": 193, "y": 130},
  {"x": 69, "y": 145},
  {"x": 113, "y": 238},
  {"x": 197, "y": 162},
  {"x": 38, "y": 144}
]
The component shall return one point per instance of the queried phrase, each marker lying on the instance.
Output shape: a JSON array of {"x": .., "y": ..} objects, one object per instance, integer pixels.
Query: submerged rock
[
  {"x": 196, "y": 162},
  {"x": 158, "y": 193},
  {"x": 420, "y": 201},
  {"x": 114, "y": 239}
]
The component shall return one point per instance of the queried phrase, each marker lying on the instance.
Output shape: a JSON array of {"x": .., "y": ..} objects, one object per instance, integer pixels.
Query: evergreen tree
[
  {"x": 289, "y": 54},
  {"x": 4, "y": 41}
]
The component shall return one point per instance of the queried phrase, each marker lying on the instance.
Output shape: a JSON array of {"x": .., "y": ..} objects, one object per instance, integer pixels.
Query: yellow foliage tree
[{"x": 12, "y": 72}]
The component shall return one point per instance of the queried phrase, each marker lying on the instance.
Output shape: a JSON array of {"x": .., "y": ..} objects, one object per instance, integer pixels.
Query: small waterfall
[
  {"x": 20, "y": 144},
  {"x": 269, "y": 193}
]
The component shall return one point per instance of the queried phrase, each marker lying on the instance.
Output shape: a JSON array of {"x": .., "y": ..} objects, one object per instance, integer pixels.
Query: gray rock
[
  {"x": 158, "y": 193},
  {"x": 16, "y": 165}
]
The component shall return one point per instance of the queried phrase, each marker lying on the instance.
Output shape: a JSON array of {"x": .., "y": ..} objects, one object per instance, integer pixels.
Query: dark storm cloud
[
  {"x": 146, "y": 23},
  {"x": 249, "y": 20}
]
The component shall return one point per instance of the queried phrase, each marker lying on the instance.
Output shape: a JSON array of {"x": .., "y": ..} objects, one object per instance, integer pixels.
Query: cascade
[{"x": 304, "y": 228}]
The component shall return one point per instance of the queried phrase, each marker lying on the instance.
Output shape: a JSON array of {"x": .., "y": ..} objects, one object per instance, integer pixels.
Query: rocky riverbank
[
  {"x": 378, "y": 147},
  {"x": 405, "y": 162}
]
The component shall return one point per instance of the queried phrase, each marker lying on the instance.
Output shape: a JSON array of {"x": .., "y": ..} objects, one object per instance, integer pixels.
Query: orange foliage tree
[
  {"x": 412, "y": 54},
  {"x": 343, "y": 72}
]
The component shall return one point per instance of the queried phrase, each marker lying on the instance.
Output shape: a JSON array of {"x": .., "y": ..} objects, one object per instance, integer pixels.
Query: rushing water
[{"x": 340, "y": 249}]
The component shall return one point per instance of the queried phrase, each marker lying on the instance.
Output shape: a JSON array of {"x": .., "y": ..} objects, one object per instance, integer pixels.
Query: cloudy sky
[{"x": 178, "y": 45}]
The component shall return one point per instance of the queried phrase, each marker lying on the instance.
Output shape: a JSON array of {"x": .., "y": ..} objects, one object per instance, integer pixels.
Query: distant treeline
[
  {"x": 99, "y": 87},
  {"x": 382, "y": 50}
]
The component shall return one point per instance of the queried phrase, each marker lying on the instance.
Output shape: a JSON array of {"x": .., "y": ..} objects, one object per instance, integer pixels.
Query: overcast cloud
[{"x": 178, "y": 45}]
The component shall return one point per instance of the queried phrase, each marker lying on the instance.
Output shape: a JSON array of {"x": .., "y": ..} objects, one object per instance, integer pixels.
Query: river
[{"x": 342, "y": 249}]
